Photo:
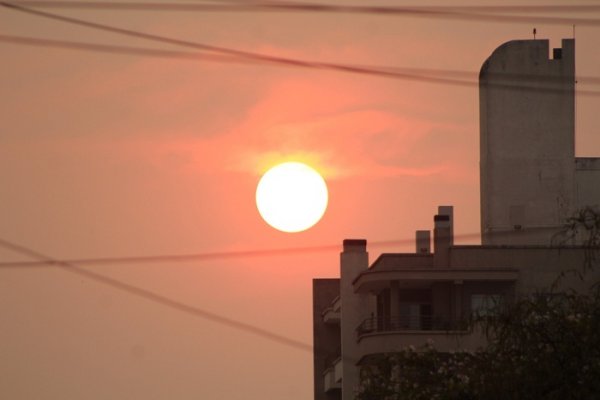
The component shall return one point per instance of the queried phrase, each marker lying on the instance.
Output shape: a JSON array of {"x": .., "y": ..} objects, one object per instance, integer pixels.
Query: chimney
[
  {"x": 449, "y": 211},
  {"x": 443, "y": 236},
  {"x": 355, "y": 245},
  {"x": 423, "y": 242},
  {"x": 356, "y": 307}
]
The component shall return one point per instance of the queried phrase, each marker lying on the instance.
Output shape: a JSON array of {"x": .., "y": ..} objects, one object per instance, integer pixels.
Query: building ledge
[
  {"x": 415, "y": 333},
  {"x": 332, "y": 376},
  {"x": 332, "y": 314},
  {"x": 391, "y": 342},
  {"x": 373, "y": 281},
  {"x": 389, "y": 261},
  {"x": 407, "y": 323},
  {"x": 587, "y": 163}
]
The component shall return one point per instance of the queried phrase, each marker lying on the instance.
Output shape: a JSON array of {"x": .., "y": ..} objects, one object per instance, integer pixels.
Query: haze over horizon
[{"x": 116, "y": 155}]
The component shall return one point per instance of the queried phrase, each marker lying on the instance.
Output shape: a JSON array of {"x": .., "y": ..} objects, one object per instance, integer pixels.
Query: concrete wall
[
  {"x": 587, "y": 181},
  {"x": 356, "y": 308},
  {"x": 326, "y": 337},
  {"x": 527, "y": 141},
  {"x": 389, "y": 342},
  {"x": 539, "y": 267}
]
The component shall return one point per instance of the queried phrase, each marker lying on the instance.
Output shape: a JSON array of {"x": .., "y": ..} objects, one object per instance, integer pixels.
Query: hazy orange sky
[{"x": 121, "y": 155}]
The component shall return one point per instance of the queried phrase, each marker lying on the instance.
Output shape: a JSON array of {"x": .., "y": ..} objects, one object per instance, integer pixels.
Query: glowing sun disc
[{"x": 291, "y": 197}]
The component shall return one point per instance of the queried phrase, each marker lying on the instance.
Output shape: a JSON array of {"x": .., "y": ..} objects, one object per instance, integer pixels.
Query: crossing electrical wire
[
  {"x": 158, "y": 298},
  {"x": 193, "y": 256},
  {"x": 224, "y": 254},
  {"x": 211, "y": 48},
  {"x": 244, "y": 5},
  {"x": 231, "y": 55},
  {"x": 168, "y": 302},
  {"x": 390, "y": 72},
  {"x": 182, "y": 257},
  {"x": 69, "y": 266},
  {"x": 465, "y": 13},
  {"x": 116, "y": 49},
  {"x": 190, "y": 257},
  {"x": 243, "y": 56}
]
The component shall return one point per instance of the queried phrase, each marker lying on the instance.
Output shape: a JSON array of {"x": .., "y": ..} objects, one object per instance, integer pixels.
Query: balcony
[
  {"x": 331, "y": 315},
  {"x": 392, "y": 334},
  {"x": 333, "y": 375},
  {"x": 373, "y": 281},
  {"x": 406, "y": 323}
]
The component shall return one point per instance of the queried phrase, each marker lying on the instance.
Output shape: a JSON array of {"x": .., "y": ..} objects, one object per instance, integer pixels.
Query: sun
[{"x": 291, "y": 197}]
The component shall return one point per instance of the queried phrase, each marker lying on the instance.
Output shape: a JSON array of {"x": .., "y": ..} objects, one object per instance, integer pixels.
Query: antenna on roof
[{"x": 534, "y": 32}]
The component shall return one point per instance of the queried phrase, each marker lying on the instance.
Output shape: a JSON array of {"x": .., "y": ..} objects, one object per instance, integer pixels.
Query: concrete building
[
  {"x": 531, "y": 180},
  {"x": 530, "y": 183}
]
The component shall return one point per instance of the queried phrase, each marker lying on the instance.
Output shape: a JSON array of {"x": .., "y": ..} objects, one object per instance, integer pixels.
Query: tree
[{"x": 539, "y": 347}]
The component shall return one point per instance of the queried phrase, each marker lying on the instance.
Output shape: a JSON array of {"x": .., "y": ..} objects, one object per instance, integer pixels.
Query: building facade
[
  {"x": 530, "y": 179},
  {"x": 531, "y": 183}
]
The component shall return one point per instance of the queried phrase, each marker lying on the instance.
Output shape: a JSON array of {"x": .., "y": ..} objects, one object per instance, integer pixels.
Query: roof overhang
[{"x": 373, "y": 281}]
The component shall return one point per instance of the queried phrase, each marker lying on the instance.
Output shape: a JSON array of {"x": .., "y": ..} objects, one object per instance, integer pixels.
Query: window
[
  {"x": 484, "y": 304},
  {"x": 415, "y": 316}
]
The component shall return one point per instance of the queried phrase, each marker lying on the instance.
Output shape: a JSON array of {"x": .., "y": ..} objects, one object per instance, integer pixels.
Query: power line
[
  {"x": 165, "y": 301},
  {"x": 157, "y": 298},
  {"x": 468, "y": 13},
  {"x": 175, "y": 257},
  {"x": 136, "y": 291},
  {"x": 245, "y": 55},
  {"x": 200, "y": 56},
  {"x": 194, "y": 256},
  {"x": 389, "y": 72},
  {"x": 297, "y": 6},
  {"x": 239, "y": 56},
  {"x": 208, "y": 255},
  {"x": 116, "y": 49},
  {"x": 222, "y": 254},
  {"x": 71, "y": 267}
]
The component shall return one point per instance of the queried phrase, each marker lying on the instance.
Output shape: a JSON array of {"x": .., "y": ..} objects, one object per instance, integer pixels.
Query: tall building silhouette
[{"x": 531, "y": 182}]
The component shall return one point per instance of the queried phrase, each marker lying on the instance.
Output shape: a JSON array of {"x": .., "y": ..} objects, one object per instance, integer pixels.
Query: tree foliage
[{"x": 539, "y": 347}]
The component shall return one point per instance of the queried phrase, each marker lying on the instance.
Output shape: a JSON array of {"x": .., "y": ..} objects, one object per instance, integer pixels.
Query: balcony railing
[{"x": 406, "y": 323}]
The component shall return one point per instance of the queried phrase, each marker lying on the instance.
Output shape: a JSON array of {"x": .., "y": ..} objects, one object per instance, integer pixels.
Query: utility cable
[
  {"x": 190, "y": 257},
  {"x": 465, "y": 13},
  {"x": 262, "y": 57},
  {"x": 117, "y": 49},
  {"x": 245, "y": 55},
  {"x": 168, "y": 302},
  {"x": 208, "y": 255},
  {"x": 468, "y": 76},
  {"x": 414, "y": 74},
  {"x": 157, "y": 298},
  {"x": 390, "y": 72}
]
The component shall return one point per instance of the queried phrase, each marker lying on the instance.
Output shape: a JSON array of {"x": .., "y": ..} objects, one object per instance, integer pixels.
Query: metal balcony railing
[{"x": 405, "y": 323}]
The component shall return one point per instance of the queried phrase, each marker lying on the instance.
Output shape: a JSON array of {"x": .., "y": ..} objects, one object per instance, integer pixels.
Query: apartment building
[{"x": 531, "y": 182}]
